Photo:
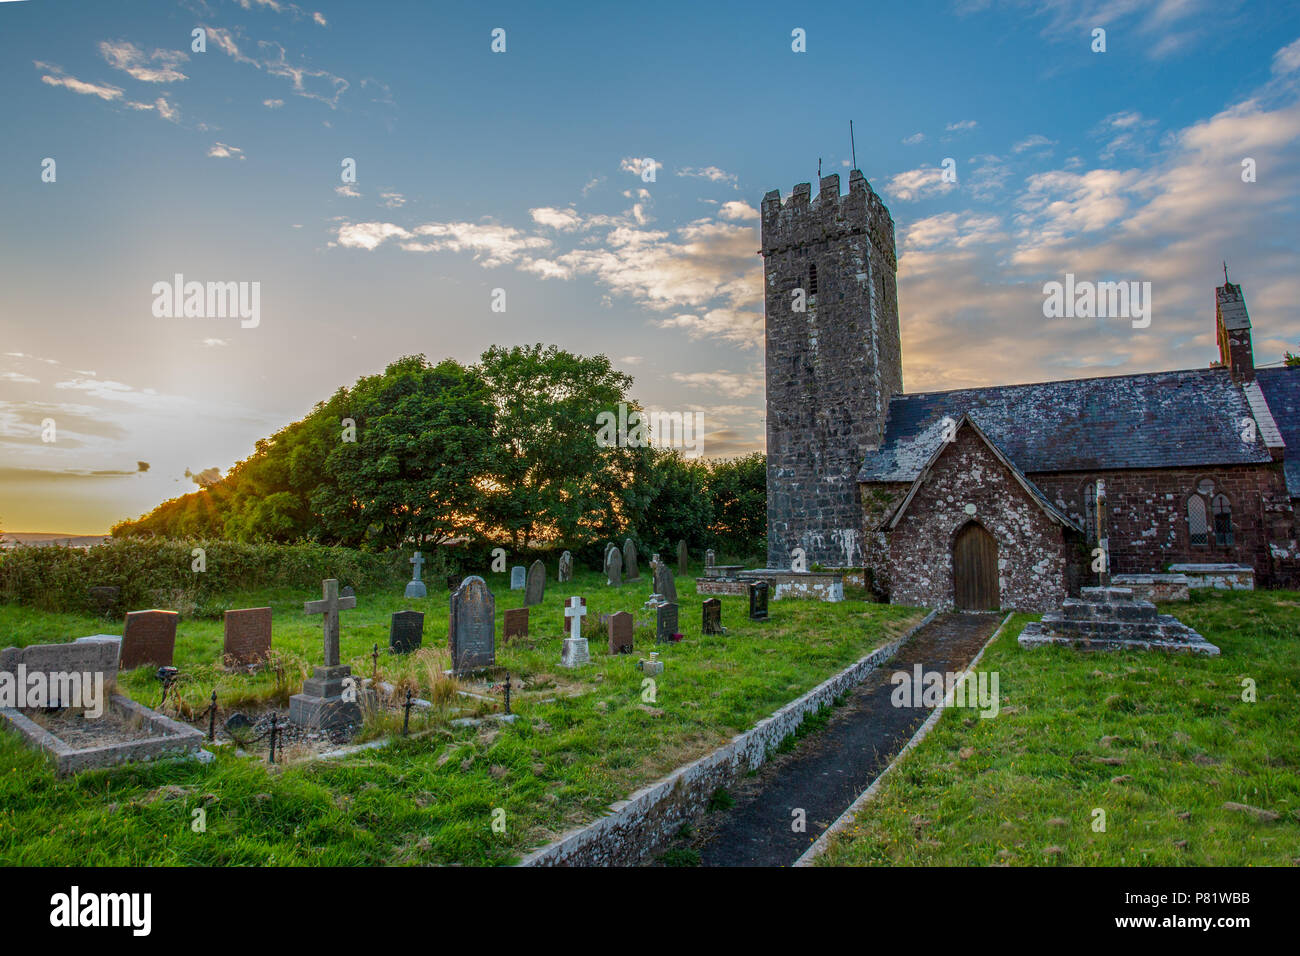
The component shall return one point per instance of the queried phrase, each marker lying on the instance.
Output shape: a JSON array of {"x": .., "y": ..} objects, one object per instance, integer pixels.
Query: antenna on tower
[
  {"x": 1225, "y": 272},
  {"x": 819, "y": 169},
  {"x": 853, "y": 146}
]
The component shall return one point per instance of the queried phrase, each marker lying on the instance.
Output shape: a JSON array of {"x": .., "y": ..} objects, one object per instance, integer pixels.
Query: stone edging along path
[
  {"x": 654, "y": 813},
  {"x": 847, "y": 818}
]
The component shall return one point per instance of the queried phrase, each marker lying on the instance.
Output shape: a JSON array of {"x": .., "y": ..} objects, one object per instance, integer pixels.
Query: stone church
[{"x": 986, "y": 497}]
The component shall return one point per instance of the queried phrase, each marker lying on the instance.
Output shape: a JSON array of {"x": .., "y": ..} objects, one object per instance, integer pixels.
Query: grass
[
  {"x": 585, "y": 738},
  {"x": 1157, "y": 742}
]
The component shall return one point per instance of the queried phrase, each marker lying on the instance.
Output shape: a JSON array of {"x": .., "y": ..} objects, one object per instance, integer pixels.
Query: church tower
[{"x": 833, "y": 361}]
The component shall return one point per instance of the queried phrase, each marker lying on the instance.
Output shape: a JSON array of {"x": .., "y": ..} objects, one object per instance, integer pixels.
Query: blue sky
[{"x": 517, "y": 170}]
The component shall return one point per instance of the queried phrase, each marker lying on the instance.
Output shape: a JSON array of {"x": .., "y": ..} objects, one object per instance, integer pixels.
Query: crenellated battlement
[{"x": 800, "y": 219}]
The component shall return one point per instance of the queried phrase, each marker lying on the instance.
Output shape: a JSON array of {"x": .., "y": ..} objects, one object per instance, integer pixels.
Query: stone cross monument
[
  {"x": 575, "y": 649},
  {"x": 330, "y": 697},
  {"x": 415, "y": 587}
]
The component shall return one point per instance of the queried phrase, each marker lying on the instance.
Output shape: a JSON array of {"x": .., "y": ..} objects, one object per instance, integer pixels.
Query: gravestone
[
  {"x": 94, "y": 658},
  {"x": 415, "y": 587},
  {"x": 620, "y": 633},
  {"x": 248, "y": 636},
  {"x": 348, "y": 592},
  {"x": 664, "y": 583},
  {"x": 665, "y": 623},
  {"x": 518, "y": 574},
  {"x": 516, "y": 623},
  {"x": 712, "y": 617},
  {"x": 681, "y": 557},
  {"x": 149, "y": 638},
  {"x": 473, "y": 625},
  {"x": 614, "y": 567},
  {"x": 758, "y": 600},
  {"x": 406, "y": 632},
  {"x": 629, "y": 561},
  {"x": 575, "y": 651},
  {"x": 330, "y": 697},
  {"x": 566, "y": 568},
  {"x": 565, "y": 625},
  {"x": 103, "y": 598},
  {"x": 710, "y": 559},
  {"x": 536, "y": 585}
]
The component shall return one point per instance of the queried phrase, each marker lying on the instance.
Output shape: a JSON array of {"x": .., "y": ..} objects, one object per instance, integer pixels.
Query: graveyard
[{"x": 581, "y": 739}]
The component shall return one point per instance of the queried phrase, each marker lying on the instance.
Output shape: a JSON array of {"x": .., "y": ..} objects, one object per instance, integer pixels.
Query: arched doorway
[{"x": 975, "y": 569}]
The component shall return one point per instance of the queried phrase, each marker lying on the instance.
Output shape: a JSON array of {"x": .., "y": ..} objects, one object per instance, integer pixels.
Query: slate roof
[
  {"x": 1153, "y": 420},
  {"x": 1281, "y": 388}
]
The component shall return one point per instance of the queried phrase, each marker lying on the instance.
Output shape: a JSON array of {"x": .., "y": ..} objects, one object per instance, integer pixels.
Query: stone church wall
[{"x": 1033, "y": 551}]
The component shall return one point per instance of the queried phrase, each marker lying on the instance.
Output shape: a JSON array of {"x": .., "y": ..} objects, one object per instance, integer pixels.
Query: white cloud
[
  {"x": 913, "y": 139},
  {"x": 635, "y": 165},
  {"x": 272, "y": 104},
  {"x": 564, "y": 220},
  {"x": 56, "y": 77},
  {"x": 711, "y": 173},
  {"x": 730, "y": 384},
  {"x": 919, "y": 183},
  {"x": 961, "y": 126},
  {"x": 737, "y": 210},
  {"x": 1033, "y": 141},
  {"x": 225, "y": 151},
  {"x": 348, "y": 190},
  {"x": 158, "y": 67}
]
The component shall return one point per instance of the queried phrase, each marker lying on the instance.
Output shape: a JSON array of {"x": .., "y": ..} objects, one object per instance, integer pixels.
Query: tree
[{"x": 550, "y": 477}]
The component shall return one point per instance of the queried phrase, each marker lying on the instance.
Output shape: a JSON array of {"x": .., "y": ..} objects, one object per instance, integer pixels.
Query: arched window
[
  {"x": 1222, "y": 510},
  {"x": 1197, "y": 526},
  {"x": 1090, "y": 510},
  {"x": 812, "y": 279}
]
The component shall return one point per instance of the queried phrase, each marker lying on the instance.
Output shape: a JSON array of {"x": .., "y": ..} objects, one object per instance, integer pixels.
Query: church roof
[
  {"x": 1281, "y": 388},
  {"x": 1153, "y": 420}
]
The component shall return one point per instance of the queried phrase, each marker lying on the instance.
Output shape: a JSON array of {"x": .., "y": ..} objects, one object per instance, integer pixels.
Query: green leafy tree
[{"x": 550, "y": 478}]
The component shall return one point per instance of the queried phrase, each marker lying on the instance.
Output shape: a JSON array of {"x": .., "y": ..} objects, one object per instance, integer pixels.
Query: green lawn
[
  {"x": 584, "y": 740},
  {"x": 1158, "y": 742}
]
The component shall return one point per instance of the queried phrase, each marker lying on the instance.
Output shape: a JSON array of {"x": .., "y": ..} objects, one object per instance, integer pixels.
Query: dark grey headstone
[
  {"x": 347, "y": 592},
  {"x": 758, "y": 601},
  {"x": 665, "y": 586},
  {"x": 629, "y": 561},
  {"x": 518, "y": 574},
  {"x": 710, "y": 559},
  {"x": 665, "y": 623},
  {"x": 566, "y": 567},
  {"x": 473, "y": 625},
  {"x": 536, "y": 585},
  {"x": 614, "y": 567},
  {"x": 681, "y": 557},
  {"x": 406, "y": 631},
  {"x": 712, "y": 616}
]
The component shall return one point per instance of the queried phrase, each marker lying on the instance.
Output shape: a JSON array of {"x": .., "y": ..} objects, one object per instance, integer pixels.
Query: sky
[{"x": 525, "y": 171}]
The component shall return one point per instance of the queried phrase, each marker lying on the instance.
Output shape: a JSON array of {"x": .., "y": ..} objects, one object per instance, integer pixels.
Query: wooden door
[{"x": 975, "y": 569}]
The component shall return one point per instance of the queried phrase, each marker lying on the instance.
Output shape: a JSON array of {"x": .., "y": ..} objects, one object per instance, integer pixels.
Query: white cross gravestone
[
  {"x": 415, "y": 587},
  {"x": 330, "y": 697},
  {"x": 575, "y": 650}
]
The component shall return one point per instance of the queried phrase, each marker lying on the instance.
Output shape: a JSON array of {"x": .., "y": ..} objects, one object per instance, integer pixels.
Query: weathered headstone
[
  {"x": 348, "y": 592},
  {"x": 629, "y": 560},
  {"x": 415, "y": 587},
  {"x": 620, "y": 633},
  {"x": 566, "y": 568},
  {"x": 406, "y": 631},
  {"x": 330, "y": 697},
  {"x": 248, "y": 636},
  {"x": 567, "y": 604},
  {"x": 473, "y": 625},
  {"x": 710, "y": 559},
  {"x": 614, "y": 567},
  {"x": 712, "y": 617},
  {"x": 93, "y": 658},
  {"x": 518, "y": 575},
  {"x": 575, "y": 651},
  {"x": 665, "y": 623},
  {"x": 149, "y": 638},
  {"x": 536, "y": 584},
  {"x": 515, "y": 624},
  {"x": 758, "y": 600},
  {"x": 681, "y": 557},
  {"x": 664, "y": 583}
]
